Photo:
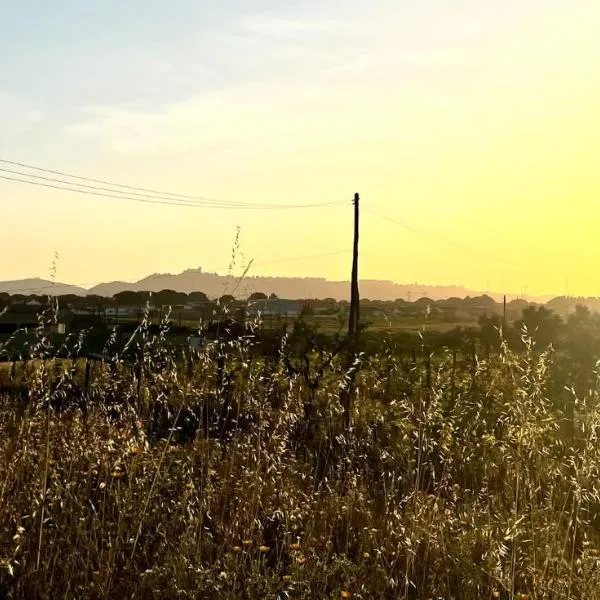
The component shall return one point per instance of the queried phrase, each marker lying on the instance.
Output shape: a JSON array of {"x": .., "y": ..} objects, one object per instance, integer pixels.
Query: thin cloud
[
  {"x": 18, "y": 113},
  {"x": 282, "y": 27}
]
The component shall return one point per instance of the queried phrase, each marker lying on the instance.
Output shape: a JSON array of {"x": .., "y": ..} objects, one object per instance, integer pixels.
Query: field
[
  {"x": 331, "y": 324},
  {"x": 234, "y": 474}
]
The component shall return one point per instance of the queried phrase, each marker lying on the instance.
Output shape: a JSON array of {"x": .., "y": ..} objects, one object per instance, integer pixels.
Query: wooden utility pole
[
  {"x": 504, "y": 316},
  {"x": 353, "y": 324}
]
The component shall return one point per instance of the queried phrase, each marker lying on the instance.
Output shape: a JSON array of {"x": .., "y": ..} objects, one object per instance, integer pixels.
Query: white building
[
  {"x": 275, "y": 307},
  {"x": 122, "y": 311}
]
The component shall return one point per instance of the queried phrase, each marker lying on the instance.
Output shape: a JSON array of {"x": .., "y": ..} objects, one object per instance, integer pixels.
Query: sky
[{"x": 469, "y": 128}]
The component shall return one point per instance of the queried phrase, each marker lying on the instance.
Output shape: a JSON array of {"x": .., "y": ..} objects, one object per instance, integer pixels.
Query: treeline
[{"x": 457, "y": 307}]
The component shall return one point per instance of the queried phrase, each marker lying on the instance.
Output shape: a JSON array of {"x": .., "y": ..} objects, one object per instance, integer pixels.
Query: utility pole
[
  {"x": 504, "y": 316},
  {"x": 353, "y": 324}
]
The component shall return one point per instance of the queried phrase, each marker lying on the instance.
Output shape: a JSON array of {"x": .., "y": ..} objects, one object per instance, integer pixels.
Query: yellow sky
[{"x": 476, "y": 126}]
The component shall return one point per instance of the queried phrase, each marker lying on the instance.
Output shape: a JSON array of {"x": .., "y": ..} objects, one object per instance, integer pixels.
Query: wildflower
[
  {"x": 222, "y": 575},
  {"x": 264, "y": 549},
  {"x": 495, "y": 594},
  {"x": 287, "y": 578},
  {"x": 247, "y": 543},
  {"x": 117, "y": 474},
  {"x": 345, "y": 594},
  {"x": 300, "y": 560},
  {"x": 237, "y": 549},
  {"x": 366, "y": 555},
  {"x": 102, "y": 485},
  {"x": 135, "y": 450},
  {"x": 295, "y": 546}
]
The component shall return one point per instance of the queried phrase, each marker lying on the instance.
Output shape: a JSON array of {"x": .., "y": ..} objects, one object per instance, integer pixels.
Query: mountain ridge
[
  {"x": 35, "y": 286},
  {"x": 215, "y": 285}
]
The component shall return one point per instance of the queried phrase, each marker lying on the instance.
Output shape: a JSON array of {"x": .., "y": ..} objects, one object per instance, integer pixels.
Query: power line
[
  {"x": 68, "y": 189},
  {"x": 458, "y": 245},
  {"x": 103, "y": 182},
  {"x": 81, "y": 185},
  {"x": 398, "y": 222},
  {"x": 138, "y": 194},
  {"x": 170, "y": 202}
]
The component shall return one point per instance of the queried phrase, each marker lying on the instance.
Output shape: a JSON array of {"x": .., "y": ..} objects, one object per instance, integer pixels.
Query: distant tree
[
  {"x": 126, "y": 298},
  {"x": 69, "y": 300},
  {"x": 490, "y": 330},
  {"x": 582, "y": 346},
  {"x": 480, "y": 305},
  {"x": 424, "y": 301},
  {"x": 479, "y": 301},
  {"x": 95, "y": 301},
  {"x": 564, "y": 305},
  {"x": 454, "y": 301},
  {"x": 273, "y": 297},
  {"x": 197, "y": 297},
  {"x": 518, "y": 304},
  {"x": 226, "y": 299},
  {"x": 542, "y": 325},
  {"x": 169, "y": 298},
  {"x": 582, "y": 317},
  {"x": 143, "y": 297},
  {"x": 257, "y": 296},
  {"x": 307, "y": 310}
]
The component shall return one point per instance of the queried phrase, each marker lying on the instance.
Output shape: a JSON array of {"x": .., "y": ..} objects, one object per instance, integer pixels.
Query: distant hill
[
  {"x": 215, "y": 285},
  {"x": 40, "y": 287}
]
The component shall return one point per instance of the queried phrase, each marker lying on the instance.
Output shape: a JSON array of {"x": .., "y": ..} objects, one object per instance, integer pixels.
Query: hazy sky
[{"x": 473, "y": 122}]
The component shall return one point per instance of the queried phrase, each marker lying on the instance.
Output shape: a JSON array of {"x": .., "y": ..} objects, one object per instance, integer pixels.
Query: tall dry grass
[{"x": 230, "y": 476}]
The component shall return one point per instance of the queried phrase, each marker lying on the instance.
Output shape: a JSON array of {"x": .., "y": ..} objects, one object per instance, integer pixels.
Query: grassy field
[
  {"x": 326, "y": 323},
  {"x": 232, "y": 477}
]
